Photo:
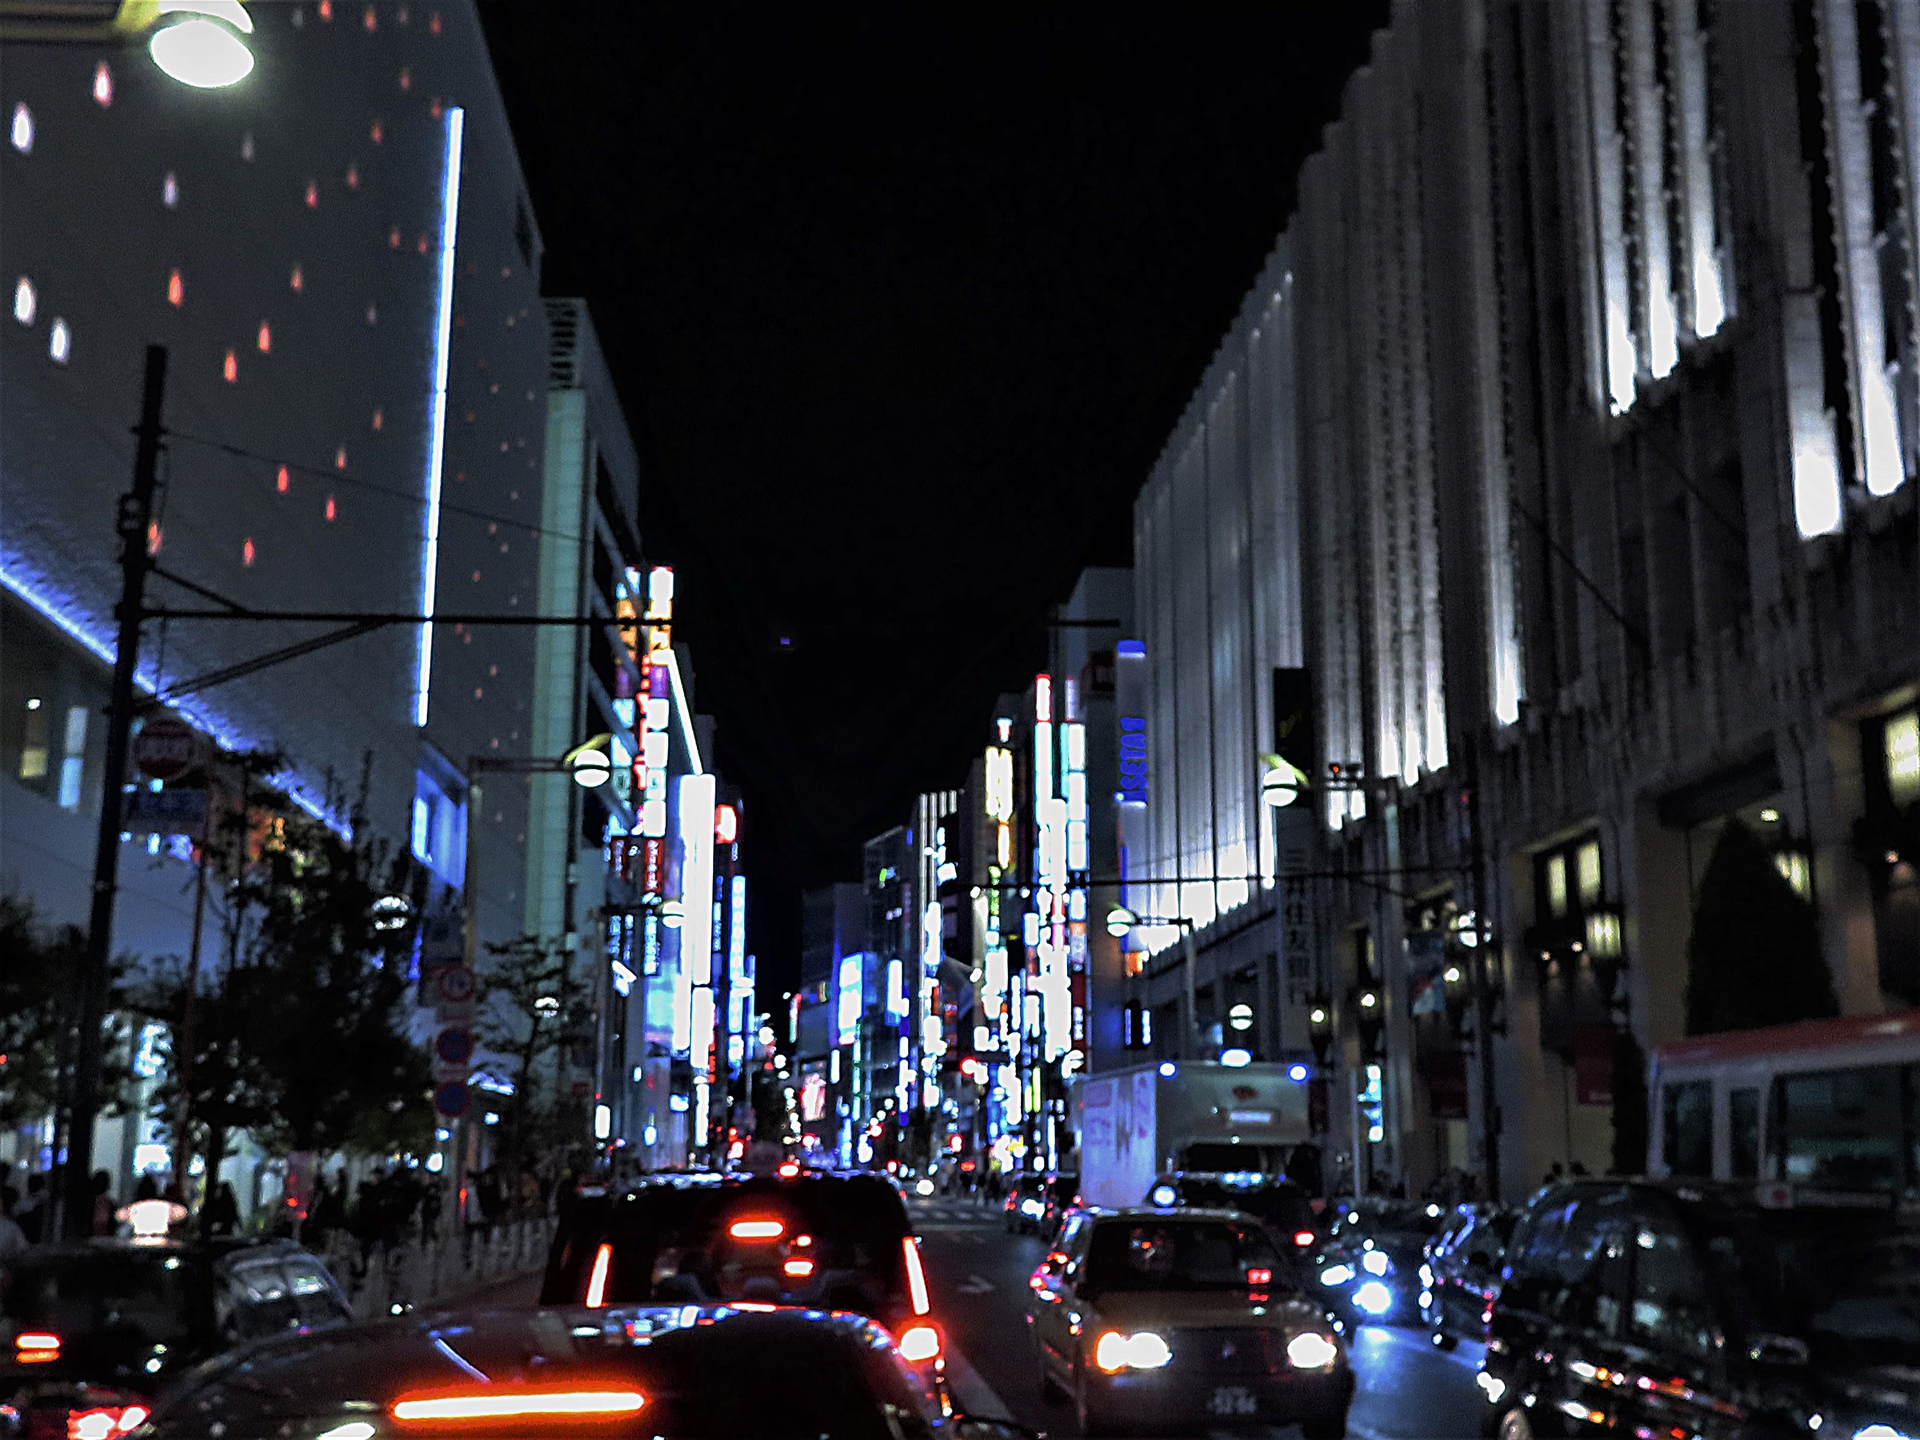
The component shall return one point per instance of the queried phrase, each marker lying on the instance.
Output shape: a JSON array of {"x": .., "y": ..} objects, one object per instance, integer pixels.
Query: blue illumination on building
[
  {"x": 437, "y": 425},
  {"x": 60, "y": 611}
]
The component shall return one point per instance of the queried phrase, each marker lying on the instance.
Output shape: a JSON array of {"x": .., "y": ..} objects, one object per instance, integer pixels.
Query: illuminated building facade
[
  {"x": 340, "y": 258},
  {"x": 1587, "y": 531}
]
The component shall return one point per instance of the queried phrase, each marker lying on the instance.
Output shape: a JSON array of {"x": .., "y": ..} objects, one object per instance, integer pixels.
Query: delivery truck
[{"x": 1141, "y": 1123}]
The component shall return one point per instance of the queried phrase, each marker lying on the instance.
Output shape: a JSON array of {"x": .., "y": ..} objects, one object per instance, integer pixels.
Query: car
[
  {"x": 100, "y": 1327},
  {"x": 1369, "y": 1268},
  {"x": 821, "y": 1240},
  {"x": 1183, "y": 1320},
  {"x": 695, "y": 1372},
  {"x": 1059, "y": 1193},
  {"x": 1463, "y": 1272},
  {"x": 1655, "y": 1307},
  {"x": 1280, "y": 1204},
  {"x": 1026, "y": 1203}
]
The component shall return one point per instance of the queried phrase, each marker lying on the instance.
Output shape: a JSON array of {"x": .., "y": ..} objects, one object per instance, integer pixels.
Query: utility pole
[
  {"x": 1482, "y": 986},
  {"x": 136, "y": 514}
]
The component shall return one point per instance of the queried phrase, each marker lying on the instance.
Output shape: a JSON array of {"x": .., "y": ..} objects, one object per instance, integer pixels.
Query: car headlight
[
  {"x": 1426, "y": 1276},
  {"x": 925, "y": 1187},
  {"x": 1336, "y": 1275},
  {"x": 1032, "y": 1207},
  {"x": 1142, "y": 1350},
  {"x": 1375, "y": 1262},
  {"x": 1165, "y": 1195},
  {"x": 1879, "y": 1432},
  {"x": 1374, "y": 1298},
  {"x": 1310, "y": 1350},
  {"x": 1492, "y": 1386}
]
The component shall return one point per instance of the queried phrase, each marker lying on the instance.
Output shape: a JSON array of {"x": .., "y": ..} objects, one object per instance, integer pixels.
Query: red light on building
[
  {"x": 176, "y": 290},
  {"x": 726, "y": 824}
]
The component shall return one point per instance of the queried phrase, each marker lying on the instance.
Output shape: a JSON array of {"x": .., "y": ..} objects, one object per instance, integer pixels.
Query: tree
[
  {"x": 40, "y": 968},
  {"x": 529, "y": 995},
  {"x": 1754, "y": 955}
]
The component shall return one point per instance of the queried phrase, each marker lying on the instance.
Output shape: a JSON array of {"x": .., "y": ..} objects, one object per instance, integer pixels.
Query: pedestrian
[
  {"x": 13, "y": 1240},
  {"x": 31, "y": 1216},
  {"x": 220, "y": 1215},
  {"x": 100, "y": 1221}
]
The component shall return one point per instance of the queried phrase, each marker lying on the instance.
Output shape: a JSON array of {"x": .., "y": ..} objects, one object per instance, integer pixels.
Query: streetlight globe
[
  {"x": 591, "y": 768},
  {"x": 1120, "y": 921},
  {"x": 672, "y": 913},
  {"x": 201, "y": 53}
]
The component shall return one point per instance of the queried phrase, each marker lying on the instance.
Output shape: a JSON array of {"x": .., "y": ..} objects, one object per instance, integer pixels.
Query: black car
[
  {"x": 102, "y": 1326},
  {"x": 1059, "y": 1193},
  {"x": 739, "y": 1372},
  {"x": 1026, "y": 1204},
  {"x": 1279, "y": 1204},
  {"x": 1654, "y": 1308},
  {"x": 1463, "y": 1272},
  {"x": 814, "y": 1239},
  {"x": 1368, "y": 1271}
]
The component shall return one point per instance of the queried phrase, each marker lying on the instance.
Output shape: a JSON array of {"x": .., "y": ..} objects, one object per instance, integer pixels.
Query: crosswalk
[{"x": 941, "y": 1212}]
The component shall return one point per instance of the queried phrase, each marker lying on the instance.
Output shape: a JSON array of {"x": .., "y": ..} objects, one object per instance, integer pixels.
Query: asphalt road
[{"x": 978, "y": 1273}]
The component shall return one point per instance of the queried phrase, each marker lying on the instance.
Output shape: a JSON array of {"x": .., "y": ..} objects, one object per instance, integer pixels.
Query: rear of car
[
  {"x": 91, "y": 1332},
  {"x": 1279, "y": 1204},
  {"x": 1026, "y": 1205},
  {"x": 741, "y": 1372},
  {"x": 837, "y": 1242},
  {"x": 1059, "y": 1193},
  {"x": 1463, "y": 1273},
  {"x": 1370, "y": 1269}
]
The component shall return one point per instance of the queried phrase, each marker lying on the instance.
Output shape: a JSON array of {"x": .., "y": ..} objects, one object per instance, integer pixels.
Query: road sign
[
  {"x": 451, "y": 1099},
  {"x": 165, "y": 748},
  {"x": 173, "y": 811},
  {"x": 453, "y": 1046},
  {"x": 454, "y": 994}
]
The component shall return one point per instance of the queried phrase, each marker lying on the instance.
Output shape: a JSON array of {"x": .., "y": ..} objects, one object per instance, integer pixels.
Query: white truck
[{"x": 1140, "y": 1123}]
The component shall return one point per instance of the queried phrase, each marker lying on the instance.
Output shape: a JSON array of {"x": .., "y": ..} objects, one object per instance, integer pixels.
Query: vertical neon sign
[{"x": 437, "y": 422}]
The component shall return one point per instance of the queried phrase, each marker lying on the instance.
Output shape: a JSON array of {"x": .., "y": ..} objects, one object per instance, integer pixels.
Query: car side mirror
[
  {"x": 1777, "y": 1350},
  {"x": 975, "y": 1427}
]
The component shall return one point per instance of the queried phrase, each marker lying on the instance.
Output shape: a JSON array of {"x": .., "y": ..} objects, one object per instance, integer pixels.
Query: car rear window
[
  {"x": 134, "y": 1298},
  {"x": 1277, "y": 1203},
  {"x": 829, "y": 1241},
  {"x": 1134, "y": 1255}
]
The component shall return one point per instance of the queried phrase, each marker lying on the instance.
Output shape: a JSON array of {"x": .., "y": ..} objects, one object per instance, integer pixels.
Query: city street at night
[{"x": 723, "y": 722}]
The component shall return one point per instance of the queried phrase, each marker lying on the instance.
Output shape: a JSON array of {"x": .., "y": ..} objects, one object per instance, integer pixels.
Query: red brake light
[
  {"x": 105, "y": 1422},
  {"x": 757, "y": 1229},
  {"x": 916, "y": 1278},
  {"x": 798, "y": 1269},
  {"x": 919, "y": 1343},
  {"x": 597, "y": 1281},
  {"x": 1303, "y": 1238},
  {"x": 789, "y": 1169},
  {"x": 36, "y": 1347},
  {"x": 1260, "y": 1276},
  {"x": 504, "y": 1403}
]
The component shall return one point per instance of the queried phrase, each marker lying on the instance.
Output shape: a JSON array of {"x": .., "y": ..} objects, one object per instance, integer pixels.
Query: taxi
[{"x": 1184, "y": 1319}]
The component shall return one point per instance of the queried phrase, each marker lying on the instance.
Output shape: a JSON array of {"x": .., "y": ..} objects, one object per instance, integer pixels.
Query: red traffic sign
[
  {"x": 452, "y": 1099},
  {"x": 456, "y": 985},
  {"x": 165, "y": 748}
]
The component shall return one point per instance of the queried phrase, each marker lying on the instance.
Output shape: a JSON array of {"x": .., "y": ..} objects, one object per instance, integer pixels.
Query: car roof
[
  {"x": 1166, "y": 1212},
  {"x": 1730, "y": 1199},
  {"x": 215, "y": 1248},
  {"x": 305, "y": 1374}
]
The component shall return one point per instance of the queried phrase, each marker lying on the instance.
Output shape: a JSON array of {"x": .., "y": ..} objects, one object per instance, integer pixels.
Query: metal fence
[{"x": 415, "y": 1273}]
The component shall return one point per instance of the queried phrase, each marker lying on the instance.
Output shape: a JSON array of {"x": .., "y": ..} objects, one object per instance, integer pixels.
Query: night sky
[{"x": 902, "y": 307}]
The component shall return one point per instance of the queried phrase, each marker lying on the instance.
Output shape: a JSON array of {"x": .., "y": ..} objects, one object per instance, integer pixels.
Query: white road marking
[
  {"x": 975, "y": 1286},
  {"x": 972, "y": 1395}
]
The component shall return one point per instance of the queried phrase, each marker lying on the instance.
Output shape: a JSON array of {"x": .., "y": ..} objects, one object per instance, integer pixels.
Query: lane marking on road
[
  {"x": 975, "y": 1286},
  {"x": 1467, "y": 1356},
  {"x": 972, "y": 1395}
]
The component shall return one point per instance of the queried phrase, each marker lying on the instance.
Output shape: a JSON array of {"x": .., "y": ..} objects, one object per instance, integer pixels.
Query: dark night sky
[{"x": 902, "y": 306}]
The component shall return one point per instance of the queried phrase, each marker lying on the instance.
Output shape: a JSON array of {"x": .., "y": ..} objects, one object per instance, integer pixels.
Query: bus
[{"x": 1828, "y": 1105}]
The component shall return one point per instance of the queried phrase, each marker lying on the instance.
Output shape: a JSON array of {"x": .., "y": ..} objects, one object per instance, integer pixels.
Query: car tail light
[
  {"x": 597, "y": 1281},
  {"x": 757, "y": 1229},
  {"x": 105, "y": 1422},
  {"x": 1260, "y": 1276},
  {"x": 505, "y": 1403},
  {"x": 916, "y": 1278},
  {"x": 1303, "y": 1238},
  {"x": 789, "y": 1169},
  {"x": 36, "y": 1347},
  {"x": 919, "y": 1343},
  {"x": 798, "y": 1269}
]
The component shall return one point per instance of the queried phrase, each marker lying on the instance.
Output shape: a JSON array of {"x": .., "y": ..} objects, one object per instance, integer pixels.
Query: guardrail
[{"x": 416, "y": 1273}]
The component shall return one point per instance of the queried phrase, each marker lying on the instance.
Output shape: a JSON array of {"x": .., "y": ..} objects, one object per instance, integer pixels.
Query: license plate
[{"x": 1232, "y": 1400}]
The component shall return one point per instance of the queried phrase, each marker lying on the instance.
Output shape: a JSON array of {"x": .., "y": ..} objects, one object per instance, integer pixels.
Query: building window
[
  {"x": 73, "y": 761},
  {"x": 33, "y": 750}
]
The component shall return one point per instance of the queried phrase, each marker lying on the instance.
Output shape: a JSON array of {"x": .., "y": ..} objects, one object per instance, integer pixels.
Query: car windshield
[
  {"x": 827, "y": 1241},
  {"x": 1851, "y": 1291},
  {"x": 1132, "y": 1255},
  {"x": 130, "y": 1298},
  {"x": 1277, "y": 1202}
]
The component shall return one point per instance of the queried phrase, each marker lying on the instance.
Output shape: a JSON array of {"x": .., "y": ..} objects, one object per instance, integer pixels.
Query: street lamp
[
  {"x": 1121, "y": 921},
  {"x": 589, "y": 763},
  {"x": 195, "y": 42},
  {"x": 1281, "y": 782}
]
